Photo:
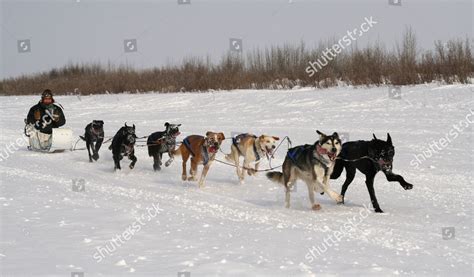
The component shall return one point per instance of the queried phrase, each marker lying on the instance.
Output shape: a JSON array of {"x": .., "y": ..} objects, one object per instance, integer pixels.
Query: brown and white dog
[
  {"x": 253, "y": 149},
  {"x": 202, "y": 150}
]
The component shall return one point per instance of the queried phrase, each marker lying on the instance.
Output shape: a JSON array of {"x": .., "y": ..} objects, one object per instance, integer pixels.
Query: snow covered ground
[{"x": 227, "y": 229}]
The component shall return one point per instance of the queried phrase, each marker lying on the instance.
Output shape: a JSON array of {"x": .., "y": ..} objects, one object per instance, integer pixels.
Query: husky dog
[
  {"x": 94, "y": 136},
  {"x": 253, "y": 149},
  {"x": 163, "y": 142},
  {"x": 369, "y": 157},
  {"x": 123, "y": 144},
  {"x": 313, "y": 164},
  {"x": 202, "y": 150}
]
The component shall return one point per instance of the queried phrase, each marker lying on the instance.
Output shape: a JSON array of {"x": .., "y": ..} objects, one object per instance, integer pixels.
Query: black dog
[
  {"x": 94, "y": 136},
  {"x": 369, "y": 157},
  {"x": 163, "y": 142},
  {"x": 123, "y": 144}
]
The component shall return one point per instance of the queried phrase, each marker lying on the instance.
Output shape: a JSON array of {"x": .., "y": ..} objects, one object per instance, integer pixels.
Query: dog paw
[
  {"x": 251, "y": 172},
  {"x": 408, "y": 186},
  {"x": 316, "y": 207},
  {"x": 184, "y": 177},
  {"x": 95, "y": 156},
  {"x": 339, "y": 199},
  {"x": 378, "y": 210},
  {"x": 342, "y": 202},
  {"x": 131, "y": 166}
]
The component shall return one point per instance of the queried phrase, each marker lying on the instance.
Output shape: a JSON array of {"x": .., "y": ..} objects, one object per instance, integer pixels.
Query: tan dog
[
  {"x": 253, "y": 149},
  {"x": 202, "y": 150}
]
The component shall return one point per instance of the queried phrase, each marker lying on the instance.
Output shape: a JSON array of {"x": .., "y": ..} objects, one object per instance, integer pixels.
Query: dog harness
[
  {"x": 205, "y": 155},
  {"x": 380, "y": 163},
  {"x": 294, "y": 153},
  {"x": 187, "y": 144},
  {"x": 204, "y": 152},
  {"x": 236, "y": 140}
]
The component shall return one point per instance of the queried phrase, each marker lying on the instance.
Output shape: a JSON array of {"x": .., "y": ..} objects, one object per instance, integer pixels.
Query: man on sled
[{"x": 41, "y": 126}]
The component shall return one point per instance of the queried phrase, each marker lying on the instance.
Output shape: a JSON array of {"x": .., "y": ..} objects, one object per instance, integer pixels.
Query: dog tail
[
  {"x": 83, "y": 138},
  {"x": 275, "y": 176},
  {"x": 228, "y": 157}
]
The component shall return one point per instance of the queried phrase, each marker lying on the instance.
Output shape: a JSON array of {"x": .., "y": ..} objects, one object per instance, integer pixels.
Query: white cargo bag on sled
[{"x": 60, "y": 140}]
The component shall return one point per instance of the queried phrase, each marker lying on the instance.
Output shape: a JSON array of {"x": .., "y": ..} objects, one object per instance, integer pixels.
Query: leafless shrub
[{"x": 276, "y": 67}]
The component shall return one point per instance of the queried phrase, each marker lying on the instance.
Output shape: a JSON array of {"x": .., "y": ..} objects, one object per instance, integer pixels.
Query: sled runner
[{"x": 59, "y": 141}]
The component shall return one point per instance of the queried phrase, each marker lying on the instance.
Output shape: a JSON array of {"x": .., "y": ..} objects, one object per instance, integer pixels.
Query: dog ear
[
  {"x": 321, "y": 135},
  {"x": 335, "y": 134},
  {"x": 276, "y": 138},
  {"x": 208, "y": 133},
  {"x": 167, "y": 124},
  {"x": 389, "y": 139},
  {"x": 178, "y": 125},
  {"x": 221, "y": 136},
  {"x": 374, "y": 136},
  {"x": 133, "y": 126},
  {"x": 126, "y": 124}
]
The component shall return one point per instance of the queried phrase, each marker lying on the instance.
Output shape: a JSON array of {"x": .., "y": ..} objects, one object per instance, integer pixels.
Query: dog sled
[{"x": 59, "y": 141}]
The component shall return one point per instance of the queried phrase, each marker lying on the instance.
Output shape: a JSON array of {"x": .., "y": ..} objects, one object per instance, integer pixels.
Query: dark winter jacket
[{"x": 46, "y": 117}]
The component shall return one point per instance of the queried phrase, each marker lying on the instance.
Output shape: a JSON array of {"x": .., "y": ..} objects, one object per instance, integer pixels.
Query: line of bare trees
[{"x": 277, "y": 67}]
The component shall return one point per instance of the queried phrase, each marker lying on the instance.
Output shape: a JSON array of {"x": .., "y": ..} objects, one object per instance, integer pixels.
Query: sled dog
[
  {"x": 253, "y": 149},
  {"x": 94, "y": 136},
  {"x": 163, "y": 142},
  {"x": 312, "y": 163},
  {"x": 123, "y": 144},
  {"x": 369, "y": 157},
  {"x": 202, "y": 150}
]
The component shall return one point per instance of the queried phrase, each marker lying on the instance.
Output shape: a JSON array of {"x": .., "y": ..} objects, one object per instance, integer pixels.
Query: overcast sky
[{"x": 64, "y": 31}]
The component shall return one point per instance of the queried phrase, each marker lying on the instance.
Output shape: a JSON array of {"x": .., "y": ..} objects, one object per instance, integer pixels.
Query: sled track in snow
[{"x": 264, "y": 217}]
